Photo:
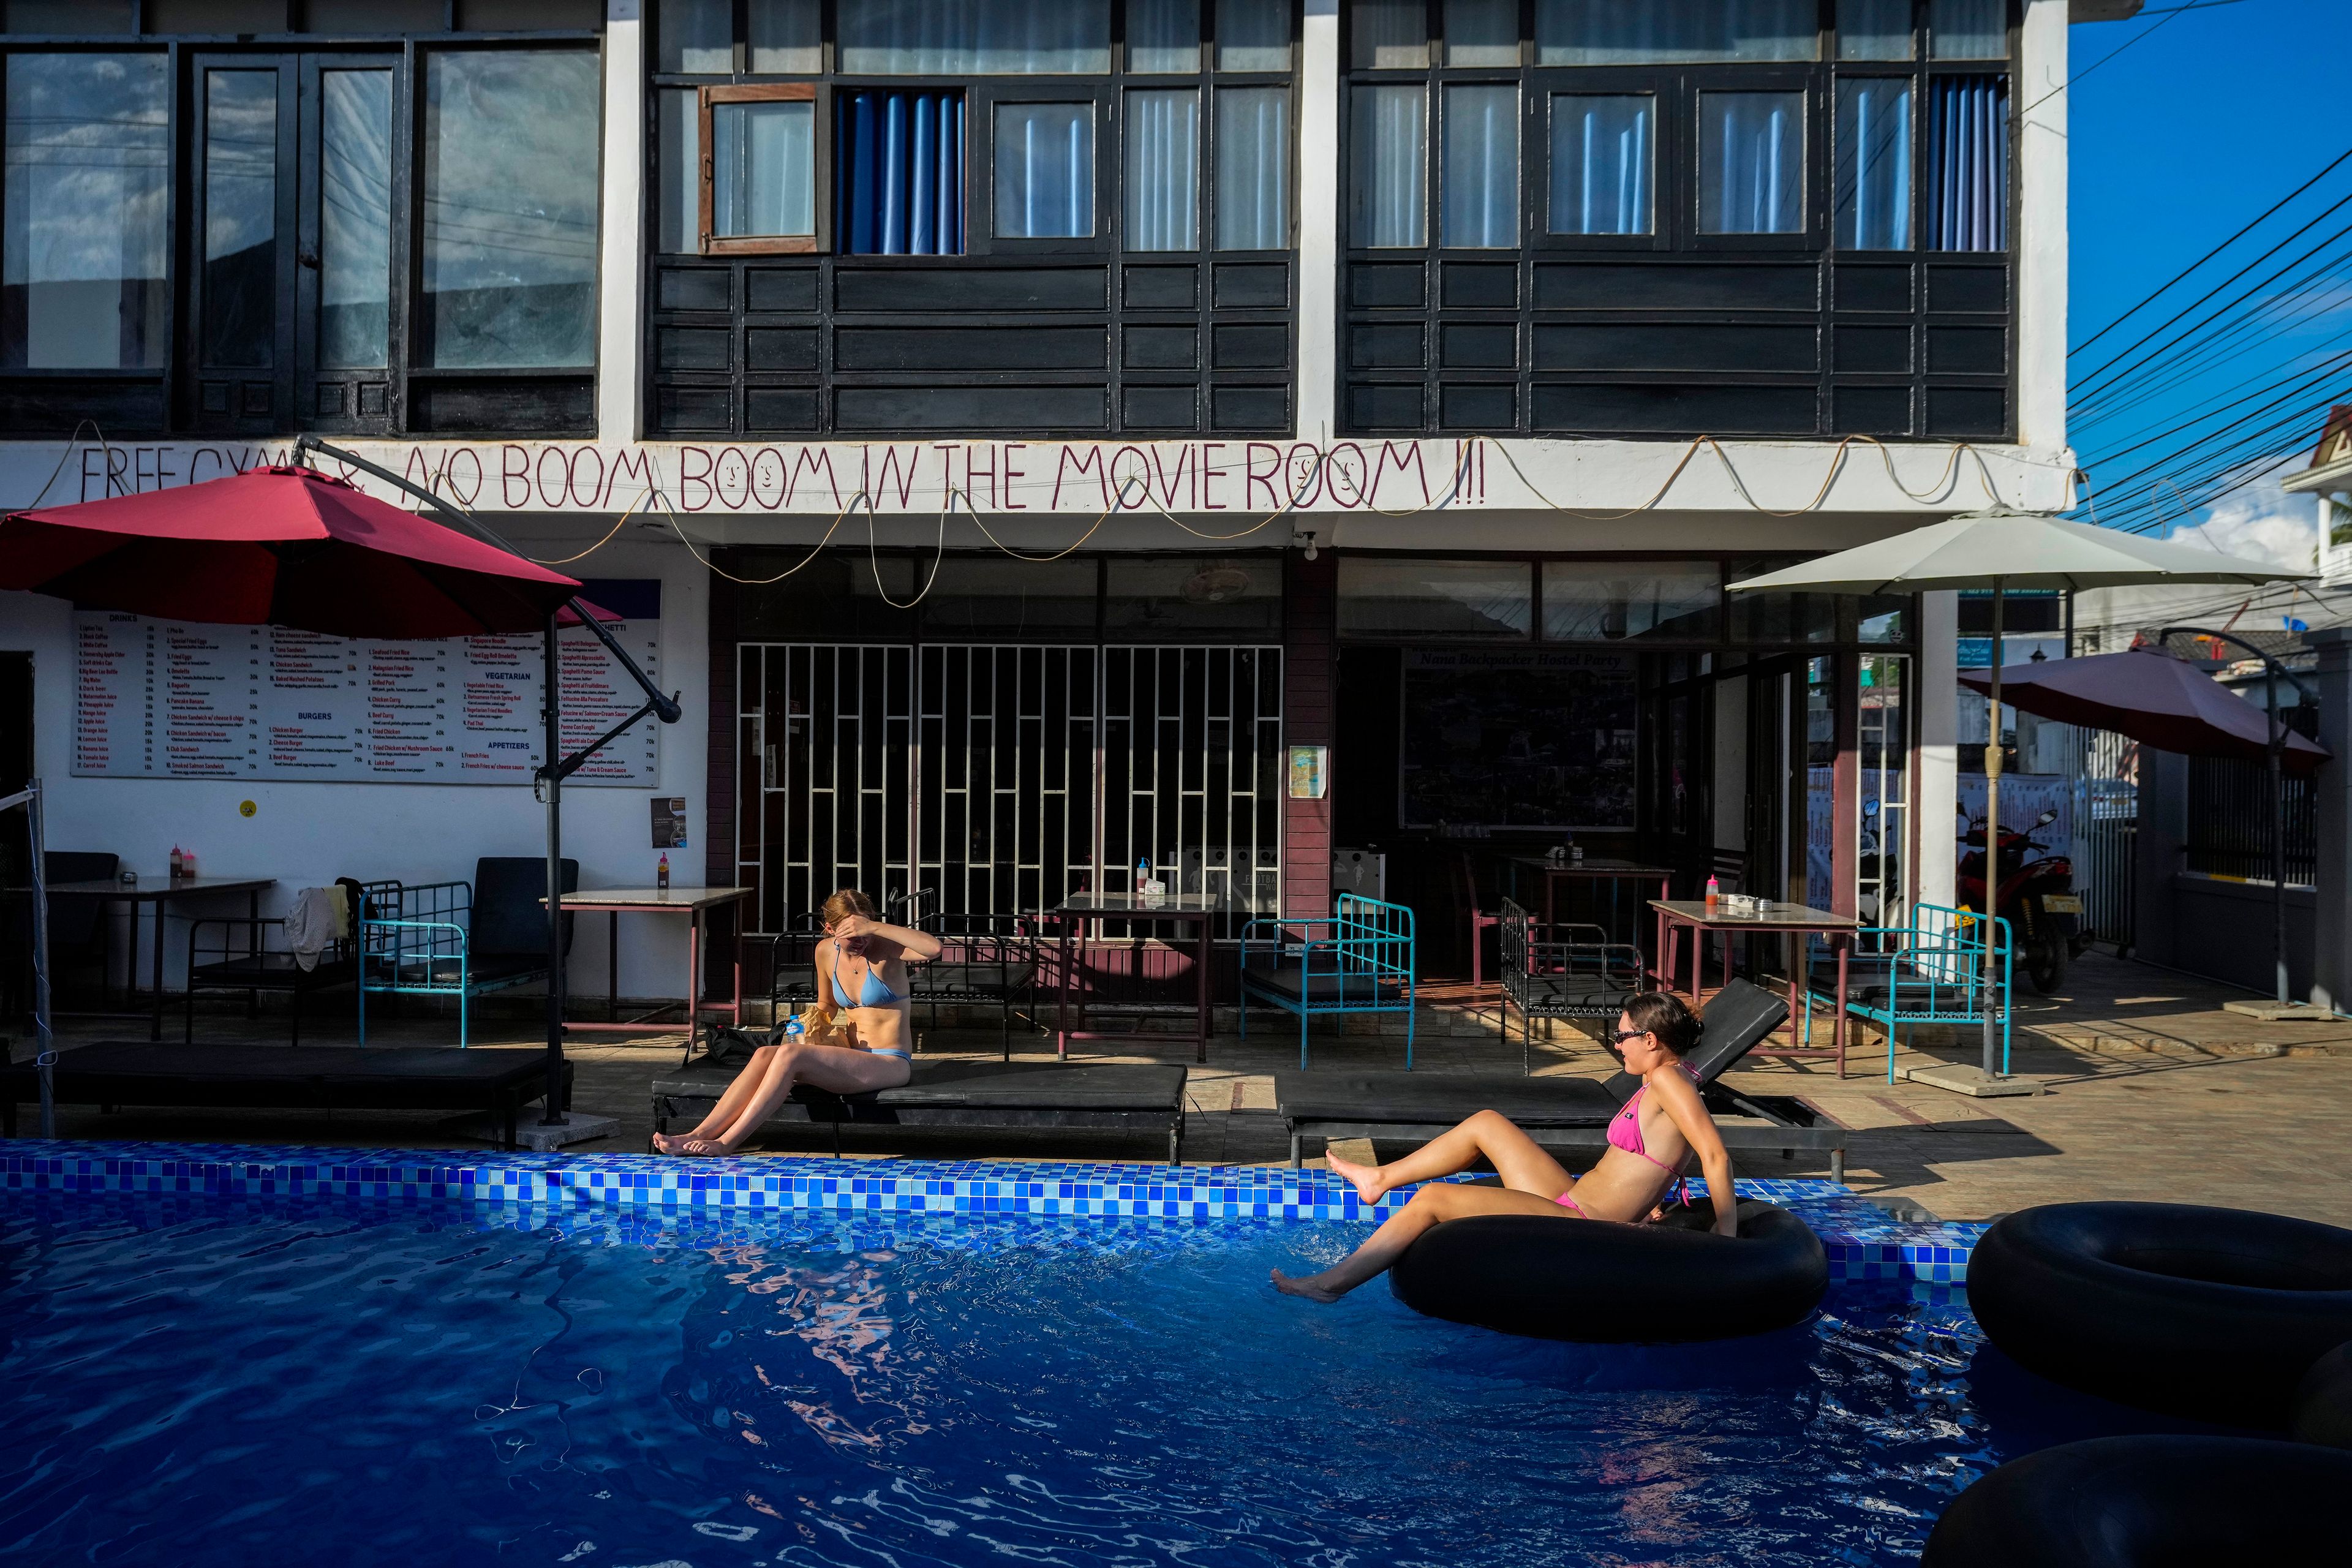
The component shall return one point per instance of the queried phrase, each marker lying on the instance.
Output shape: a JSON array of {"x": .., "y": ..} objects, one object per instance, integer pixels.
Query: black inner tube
[{"x": 1601, "y": 1282}]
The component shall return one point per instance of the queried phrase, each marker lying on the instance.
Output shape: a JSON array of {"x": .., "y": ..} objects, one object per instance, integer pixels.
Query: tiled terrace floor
[{"x": 2153, "y": 1093}]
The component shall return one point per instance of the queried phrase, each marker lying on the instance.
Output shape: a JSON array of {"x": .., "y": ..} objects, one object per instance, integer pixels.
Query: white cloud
[{"x": 2258, "y": 522}]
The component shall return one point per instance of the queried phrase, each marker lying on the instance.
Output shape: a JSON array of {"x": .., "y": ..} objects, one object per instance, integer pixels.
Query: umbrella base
[
  {"x": 1966, "y": 1078},
  {"x": 530, "y": 1133},
  {"x": 2274, "y": 1012}
]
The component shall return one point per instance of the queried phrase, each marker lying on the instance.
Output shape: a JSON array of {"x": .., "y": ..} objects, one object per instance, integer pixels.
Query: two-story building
[{"x": 1039, "y": 436}]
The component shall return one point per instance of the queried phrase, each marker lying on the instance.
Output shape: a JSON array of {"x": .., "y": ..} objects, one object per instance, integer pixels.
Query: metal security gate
[
  {"x": 2105, "y": 851},
  {"x": 1016, "y": 774}
]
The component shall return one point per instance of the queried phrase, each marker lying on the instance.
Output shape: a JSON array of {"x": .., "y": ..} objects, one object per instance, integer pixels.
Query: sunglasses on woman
[{"x": 1622, "y": 1035}]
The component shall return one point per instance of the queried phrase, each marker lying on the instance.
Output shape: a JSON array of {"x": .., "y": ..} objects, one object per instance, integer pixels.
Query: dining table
[{"x": 1676, "y": 916}]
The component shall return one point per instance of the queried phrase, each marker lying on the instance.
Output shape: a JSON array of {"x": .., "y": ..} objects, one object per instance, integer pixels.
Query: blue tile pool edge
[{"x": 1863, "y": 1243}]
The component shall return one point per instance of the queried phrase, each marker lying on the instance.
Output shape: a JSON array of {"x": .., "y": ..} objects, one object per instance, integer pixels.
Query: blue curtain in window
[
  {"x": 901, "y": 161},
  {"x": 1968, "y": 192}
]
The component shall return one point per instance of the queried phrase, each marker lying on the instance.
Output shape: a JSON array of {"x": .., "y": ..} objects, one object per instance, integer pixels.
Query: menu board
[
  {"x": 184, "y": 700},
  {"x": 1516, "y": 738}
]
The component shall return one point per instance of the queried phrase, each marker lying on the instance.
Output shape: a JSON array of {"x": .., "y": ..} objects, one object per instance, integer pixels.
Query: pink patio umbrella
[{"x": 2153, "y": 697}]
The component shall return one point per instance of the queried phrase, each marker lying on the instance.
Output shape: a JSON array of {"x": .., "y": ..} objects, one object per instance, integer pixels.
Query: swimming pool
[{"x": 219, "y": 1377}]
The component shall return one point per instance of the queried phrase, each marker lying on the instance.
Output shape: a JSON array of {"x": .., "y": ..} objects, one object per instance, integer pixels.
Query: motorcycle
[{"x": 2036, "y": 896}]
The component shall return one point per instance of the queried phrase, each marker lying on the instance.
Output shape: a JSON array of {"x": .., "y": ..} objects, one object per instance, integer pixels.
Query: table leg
[
  {"x": 1698, "y": 962},
  {"x": 693, "y": 972},
  {"x": 1207, "y": 1017},
  {"x": 613, "y": 966},
  {"x": 252, "y": 951},
  {"x": 735, "y": 1006},
  {"x": 1062, "y": 991},
  {"x": 155, "y": 1027},
  {"x": 1550, "y": 923},
  {"x": 1791, "y": 970},
  {"x": 1842, "y": 947}
]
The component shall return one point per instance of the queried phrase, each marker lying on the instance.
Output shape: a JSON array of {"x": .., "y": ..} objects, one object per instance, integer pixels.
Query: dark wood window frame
[{"x": 820, "y": 168}]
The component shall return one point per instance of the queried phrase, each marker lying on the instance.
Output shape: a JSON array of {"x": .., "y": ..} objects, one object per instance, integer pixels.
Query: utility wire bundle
[{"x": 2223, "y": 375}]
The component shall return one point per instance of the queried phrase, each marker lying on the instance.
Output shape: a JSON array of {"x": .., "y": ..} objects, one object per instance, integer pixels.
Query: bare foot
[
  {"x": 1305, "y": 1286},
  {"x": 702, "y": 1146},
  {"x": 1365, "y": 1179}
]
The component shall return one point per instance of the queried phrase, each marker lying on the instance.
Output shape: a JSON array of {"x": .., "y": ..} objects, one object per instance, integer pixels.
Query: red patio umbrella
[
  {"x": 278, "y": 546},
  {"x": 2153, "y": 697}
]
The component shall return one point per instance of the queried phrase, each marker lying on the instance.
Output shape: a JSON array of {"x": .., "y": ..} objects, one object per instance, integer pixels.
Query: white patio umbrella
[{"x": 2001, "y": 548}]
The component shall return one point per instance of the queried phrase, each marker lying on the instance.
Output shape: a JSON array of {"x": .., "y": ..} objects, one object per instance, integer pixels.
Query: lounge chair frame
[
  {"x": 1364, "y": 965},
  {"x": 1928, "y": 971},
  {"x": 1581, "y": 976},
  {"x": 239, "y": 959}
]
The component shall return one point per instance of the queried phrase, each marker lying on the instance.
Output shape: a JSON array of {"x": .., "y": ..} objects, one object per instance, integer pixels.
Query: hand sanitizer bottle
[{"x": 1714, "y": 896}]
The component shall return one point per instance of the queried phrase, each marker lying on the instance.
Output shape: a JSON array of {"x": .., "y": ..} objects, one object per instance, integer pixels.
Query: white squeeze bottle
[{"x": 1714, "y": 896}]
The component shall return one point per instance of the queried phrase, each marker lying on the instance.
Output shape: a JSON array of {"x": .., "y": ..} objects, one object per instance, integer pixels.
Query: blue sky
[{"x": 2183, "y": 138}]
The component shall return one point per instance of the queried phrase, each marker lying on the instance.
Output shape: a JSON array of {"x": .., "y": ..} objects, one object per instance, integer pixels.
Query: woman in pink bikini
[{"x": 1650, "y": 1142}]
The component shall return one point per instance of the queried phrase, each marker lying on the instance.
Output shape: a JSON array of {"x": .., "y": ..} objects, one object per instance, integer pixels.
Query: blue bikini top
[{"x": 871, "y": 992}]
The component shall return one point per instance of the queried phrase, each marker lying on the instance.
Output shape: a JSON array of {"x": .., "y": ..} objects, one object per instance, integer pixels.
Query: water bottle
[
  {"x": 1143, "y": 875},
  {"x": 661, "y": 875}
]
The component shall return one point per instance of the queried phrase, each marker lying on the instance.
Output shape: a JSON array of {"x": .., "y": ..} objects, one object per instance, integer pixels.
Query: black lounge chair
[
  {"x": 234, "y": 956},
  {"x": 994, "y": 1096},
  {"x": 1571, "y": 972},
  {"x": 1569, "y": 1114},
  {"x": 497, "y": 1080}
]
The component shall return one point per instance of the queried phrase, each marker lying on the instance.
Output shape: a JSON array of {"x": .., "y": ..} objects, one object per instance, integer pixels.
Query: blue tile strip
[{"x": 1862, "y": 1242}]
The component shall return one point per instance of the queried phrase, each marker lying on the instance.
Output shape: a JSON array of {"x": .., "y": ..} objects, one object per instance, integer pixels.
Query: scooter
[{"x": 2036, "y": 896}]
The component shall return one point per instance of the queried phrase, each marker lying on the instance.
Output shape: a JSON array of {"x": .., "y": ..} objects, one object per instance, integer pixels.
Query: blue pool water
[{"x": 204, "y": 1380}]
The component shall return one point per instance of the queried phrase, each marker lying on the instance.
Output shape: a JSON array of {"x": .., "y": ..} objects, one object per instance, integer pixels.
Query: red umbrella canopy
[
  {"x": 279, "y": 546},
  {"x": 2153, "y": 697}
]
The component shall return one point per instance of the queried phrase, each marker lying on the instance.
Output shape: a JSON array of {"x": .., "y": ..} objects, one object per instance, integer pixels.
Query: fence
[{"x": 2230, "y": 821}]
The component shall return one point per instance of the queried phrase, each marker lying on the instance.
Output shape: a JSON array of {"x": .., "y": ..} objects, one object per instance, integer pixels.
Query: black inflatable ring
[
  {"x": 2323, "y": 1399},
  {"x": 2209, "y": 1313},
  {"x": 1604, "y": 1283},
  {"x": 2138, "y": 1502}
]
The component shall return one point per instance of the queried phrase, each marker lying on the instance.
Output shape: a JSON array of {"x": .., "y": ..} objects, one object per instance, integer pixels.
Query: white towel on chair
[{"x": 316, "y": 920}]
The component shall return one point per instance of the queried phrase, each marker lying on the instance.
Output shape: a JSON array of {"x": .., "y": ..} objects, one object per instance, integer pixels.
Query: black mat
[{"x": 1013, "y": 1087}]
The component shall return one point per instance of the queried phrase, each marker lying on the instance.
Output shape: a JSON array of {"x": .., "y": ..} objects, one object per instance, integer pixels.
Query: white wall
[{"x": 306, "y": 835}]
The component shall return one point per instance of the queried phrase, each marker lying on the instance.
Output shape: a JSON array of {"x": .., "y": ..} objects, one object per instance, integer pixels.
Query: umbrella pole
[
  {"x": 1992, "y": 835},
  {"x": 2278, "y": 832},
  {"x": 550, "y": 714}
]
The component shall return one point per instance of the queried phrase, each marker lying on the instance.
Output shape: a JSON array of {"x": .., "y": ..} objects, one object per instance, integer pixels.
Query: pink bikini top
[{"x": 1626, "y": 1127}]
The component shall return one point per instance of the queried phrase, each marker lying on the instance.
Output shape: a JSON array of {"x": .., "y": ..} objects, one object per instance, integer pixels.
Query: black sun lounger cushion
[
  {"x": 1572, "y": 994},
  {"x": 1328, "y": 987},
  {"x": 1014, "y": 1088},
  {"x": 1422, "y": 1096}
]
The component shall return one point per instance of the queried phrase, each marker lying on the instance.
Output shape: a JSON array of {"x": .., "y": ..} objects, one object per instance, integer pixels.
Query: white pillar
[
  {"x": 1319, "y": 221},
  {"x": 1938, "y": 781},
  {"x": 2039, "y": 100},
  {"x": 620, "y": 339}
]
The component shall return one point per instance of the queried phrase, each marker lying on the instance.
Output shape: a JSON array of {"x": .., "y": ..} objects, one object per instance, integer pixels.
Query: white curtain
[
  {"x": 1253, "y": 34},
  {"x": 1874, "y": 30},
  {"x": 1968, "y": 30},
  {"x": 1873, "y": 163},
  {"x": 975, "y": 37},
  {"x": 1482, "y": 167},
  {"x": 1602, "y": 146},
  {"x": 1163, "y": 34},
  {"x": 1044, "y": 171},
  {"x": 1751, "y": 163},
  {"x": 1252, "y": 168},
  {"x": 1673, "y": 32},
  {"x": 785, "y": 36},
  {"x": 1163, "y": 170},
  {"x": 1968, "y": 196},
  {"x": 1388, "y": 198},
  {"x": 1389, "y": 34},
  {"x": 763, "y": 169},
  {"x": 1482, "y": 32}
]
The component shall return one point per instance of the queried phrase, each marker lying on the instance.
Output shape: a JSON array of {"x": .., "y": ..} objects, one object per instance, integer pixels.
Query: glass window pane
[
  {"x": 1389, "y": 34},
  {"x": 354, "y": 219},
  {"x": 1173, "y": 595},
  {"x": 975, "y": 37},
  {"x": 1482, "y": 167},
  {"x": 899, "y": 157},
  {"x": 1874, "y": 30},
  {"x": 1381, "y": 597},
  {"x": 785, "y": 36},
  {"x": 1602, "y": 147},
  {"x": 1253, "y": 34},
  {"x": 1873, "y": 163},
  {"x": 1609, "y": 601},
  {"x": 1252, "y": 168},
  {"x": 1968, "y": 30},
  {"x": 73, "y": 18},
  {"x": 1163, "y": 170},
  {"x": 678, "y": 126},
  {"x": 1482, "y": 32},
  {"x": 240, "y": 287},
  {"x": 1386, "y": 197},
  {"x": 981, "y": 593},
  {"x": 1044, "y": 171},
  {"x": 1673, "y": 32},
  {"x": 1751, "y": 163},
  {"x": 762, "y": 169},
  {"x": 1163, "y": 34},
  {"x": 696, "y": 36},
  {"x": 81, "y": 262},
  {"x": 1968, "y": 171},
  {"x": 510, "y": 231}
]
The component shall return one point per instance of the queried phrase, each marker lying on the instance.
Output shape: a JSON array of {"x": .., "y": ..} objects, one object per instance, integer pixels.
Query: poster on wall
[
  {"x": 1516, "y": 738},
  {"x": 185, "y": 699}
]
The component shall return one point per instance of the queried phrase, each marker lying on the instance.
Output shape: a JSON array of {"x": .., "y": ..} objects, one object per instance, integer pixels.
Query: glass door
[{"x": 293, "y": 308}]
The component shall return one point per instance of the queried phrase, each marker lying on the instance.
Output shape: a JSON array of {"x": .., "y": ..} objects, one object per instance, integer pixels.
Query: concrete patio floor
[{"x": 2152, "y": 1091}]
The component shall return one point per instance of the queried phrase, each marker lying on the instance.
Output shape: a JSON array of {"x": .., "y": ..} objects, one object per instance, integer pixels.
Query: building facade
[{"x": 1041, "y": 436}]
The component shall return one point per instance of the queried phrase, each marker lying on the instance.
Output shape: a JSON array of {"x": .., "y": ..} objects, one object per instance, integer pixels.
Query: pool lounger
[
  {"x": 990, "y": 1095},
  {"x": 498, "y": 1081},
  {"x": 1568, "y": 1114}
]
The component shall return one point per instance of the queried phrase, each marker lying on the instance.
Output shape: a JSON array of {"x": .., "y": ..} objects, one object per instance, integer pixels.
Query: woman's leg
[
  {"x": 730, "y": 1104},
  {"x": 1516, "y": 1158},
  {"x": 833, "y": 1068},
  {"x": 1401, "y": 1229}
]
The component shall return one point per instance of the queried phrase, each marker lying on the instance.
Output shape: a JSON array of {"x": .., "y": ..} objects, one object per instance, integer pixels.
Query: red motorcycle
[{"x": 2037, "y": 898}]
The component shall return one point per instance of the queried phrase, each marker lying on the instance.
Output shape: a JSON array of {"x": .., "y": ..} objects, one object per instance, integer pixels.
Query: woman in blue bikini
[{"x": 862, "y": 969}]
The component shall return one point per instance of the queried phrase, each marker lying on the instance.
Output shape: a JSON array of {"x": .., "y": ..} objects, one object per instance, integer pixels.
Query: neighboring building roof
[
  {"x": 2102, "y": 10},
  {"x": 2330, "y": 467}
]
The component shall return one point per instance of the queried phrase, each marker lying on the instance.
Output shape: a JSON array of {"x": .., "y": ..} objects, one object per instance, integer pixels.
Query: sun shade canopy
[
  {"x": 2151, "y": 696},
  {"x": 280, "y": 546}
]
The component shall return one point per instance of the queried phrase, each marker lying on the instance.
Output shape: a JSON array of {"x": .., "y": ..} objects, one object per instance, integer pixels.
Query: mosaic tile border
[{"x": 1861, "y": 1241}]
